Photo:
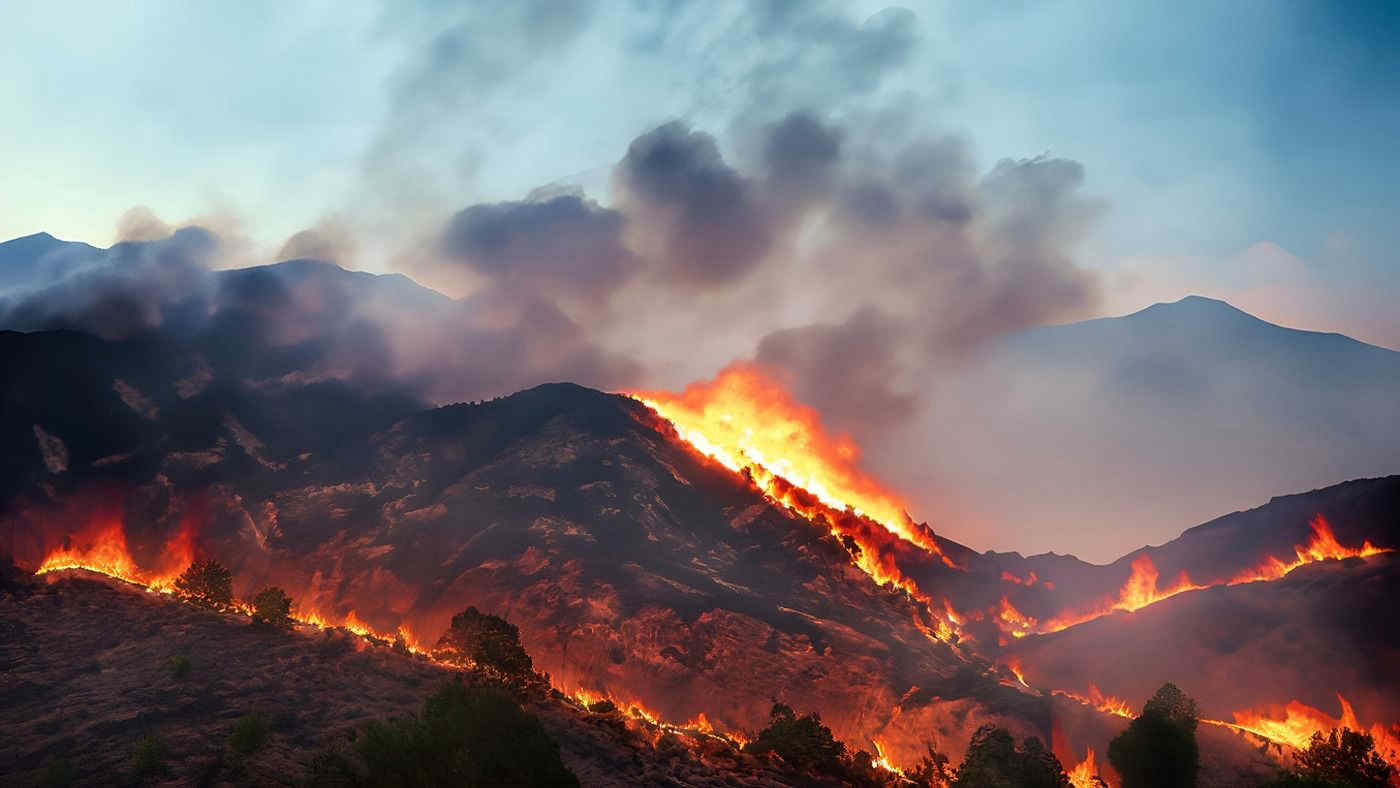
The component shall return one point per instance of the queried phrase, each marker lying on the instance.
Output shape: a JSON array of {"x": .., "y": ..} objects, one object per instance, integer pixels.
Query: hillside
[
  {"x": 1119, "y": 431},
  {"x": 88, "y": 674}
]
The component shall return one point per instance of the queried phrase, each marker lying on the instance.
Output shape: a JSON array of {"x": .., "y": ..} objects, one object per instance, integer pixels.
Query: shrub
[
  {"x": 1343, "y": 758},
  {"x": 272, "y": 608},
  {"x": 993, "y": 760},
  {"x": 249, "y": 734},
  {"x": 804, "y": 743},
  {"x": 206, "y": 583},
  {"x": 179, "y": 666},
  {"x": 486, "y": 641},
  {"x": 148, "y": 758},
  {"x": 465, "y": 736},
  {"x": 1158, "y": 750}
]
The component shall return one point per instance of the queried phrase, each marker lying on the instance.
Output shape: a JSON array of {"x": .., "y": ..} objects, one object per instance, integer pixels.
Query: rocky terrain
[{"x": 91, "y": 669}]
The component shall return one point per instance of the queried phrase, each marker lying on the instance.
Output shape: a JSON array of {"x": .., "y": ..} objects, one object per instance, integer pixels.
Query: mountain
[
  {"x": 37, "y": 260},
  {"x": 1114, "y": 428}
]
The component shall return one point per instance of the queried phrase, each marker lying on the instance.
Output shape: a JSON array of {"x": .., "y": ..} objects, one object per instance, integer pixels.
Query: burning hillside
[{"x": 688, "y": 558}]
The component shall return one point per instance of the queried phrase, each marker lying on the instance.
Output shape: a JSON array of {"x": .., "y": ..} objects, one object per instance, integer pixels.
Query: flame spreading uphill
[
  {"x": 1086, "y": 773},
  {"x": 101, "y": 547},
  {"x": 1097, "y": 700},
  {"x": 1294, "y": 725},
  {"x": 1142, "y": 589},
  {"x": 750, "y": 424}
]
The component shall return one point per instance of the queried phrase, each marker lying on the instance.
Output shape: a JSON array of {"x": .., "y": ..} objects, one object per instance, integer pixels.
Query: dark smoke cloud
[
  {"x": 863, "y": 351},
  {"x": 331, "y": 240},
  {"x": 695, "y": 218},
  {"x": 560, "y": 245},
  {"x": 132, "y": 288}
]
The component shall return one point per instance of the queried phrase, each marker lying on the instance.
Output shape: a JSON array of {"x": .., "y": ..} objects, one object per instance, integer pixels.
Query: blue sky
[{"x": 1242, "y": 149}]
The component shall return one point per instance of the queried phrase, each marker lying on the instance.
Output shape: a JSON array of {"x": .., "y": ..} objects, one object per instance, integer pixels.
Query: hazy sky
[
  {"x": 635, "y": 194},
  {"x": 1207, "y": 128}
]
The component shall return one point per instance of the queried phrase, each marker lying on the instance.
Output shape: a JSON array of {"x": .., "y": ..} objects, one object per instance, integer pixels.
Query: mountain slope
[{"x": 1115, "y": 428}]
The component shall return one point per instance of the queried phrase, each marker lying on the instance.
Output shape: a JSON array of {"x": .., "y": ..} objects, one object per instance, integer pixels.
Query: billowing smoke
[{"x": 788, "y": 210}]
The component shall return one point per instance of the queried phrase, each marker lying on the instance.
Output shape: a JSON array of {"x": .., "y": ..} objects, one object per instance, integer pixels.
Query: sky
[{"x": 858, "y": 195}]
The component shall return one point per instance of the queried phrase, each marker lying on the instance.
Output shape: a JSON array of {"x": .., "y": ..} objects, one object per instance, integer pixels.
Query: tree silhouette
[
  {"x": 1342, "y": 759},
  {"x": 1158, "y": 750},
  {"x": 272, "y": 608},
  {"x": 486, "y": 641},
  {"x": 804, "y": 743},
  {"x": 994, "y": 761},
  {"x": 206, "y": 583}
]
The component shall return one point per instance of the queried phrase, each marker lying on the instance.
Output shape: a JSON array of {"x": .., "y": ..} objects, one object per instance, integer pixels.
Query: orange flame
[
  {"x": 751, "y": 425},
  {"x": 1086, "y": 773},
  {"x": 1014, "y": 665},
  {"x": 1107, "y": 704},
  {"x": 747, "y": 421},
  {"x": 1294, "y": 724},
  {"x": 1323, "y": 546},
  {"x": 882, "y": 761},
  {"x": 1012, "y": 621},
  {"x": 636, "y": 711},
  {"x": 1141, "y": 588},
  {"x": 1138, "y": 592},
  {"x": 101, "y": 548}
]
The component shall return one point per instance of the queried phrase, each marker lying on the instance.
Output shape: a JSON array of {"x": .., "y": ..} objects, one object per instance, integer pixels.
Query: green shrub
[
  {"x": 206, "y": 583},
  {"x": 148, "y": 758},
  {"x": 1342, "y": 759},
  {"x": 486, "y": 641},
  {"x": 464, "y": 737},
  {"x": 1159, "y": 750},
  {"x": 249, "y": 734},
  {"x": 179, "y": 666},
  {"x": 804, "y": 743},
  {"x": 272, "y": 608},
  {"x": 993, "y": 760}
]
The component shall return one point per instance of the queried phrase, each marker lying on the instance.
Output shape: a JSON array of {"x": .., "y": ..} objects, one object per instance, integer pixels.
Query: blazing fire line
[
  {"x": 1143, "y": 586},
  {"x": 105, "y": 553}
]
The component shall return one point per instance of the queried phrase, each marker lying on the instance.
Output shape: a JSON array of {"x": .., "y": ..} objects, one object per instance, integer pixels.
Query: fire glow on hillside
[{"x": 1142, "y": 588}]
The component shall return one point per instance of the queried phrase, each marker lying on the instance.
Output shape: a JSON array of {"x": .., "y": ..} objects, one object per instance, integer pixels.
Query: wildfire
[
  {"x": 1013, "y": 621},
  {"x": 749, "y": 423},
  {"x": 882, "y": 761},
  {"x": 1295, "y": 724},
  {"x": 1323, "y": 546},
  {"x": 1140, "y": 591},
  {"x": 1096, "y": 699},
  {"x": 1086, "y": 773},
  {"x": 653, "y": 723},
  {"x": 1141, "y": 588},
  {"x": 101, "y": 547},
  {"x": 1014, "y": 665}
]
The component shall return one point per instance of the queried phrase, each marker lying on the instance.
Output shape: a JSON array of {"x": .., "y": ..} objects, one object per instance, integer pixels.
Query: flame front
[
  {"x": 101, "y": 547},
  {"x": 1141, "y": 588},
  {"x": 747, "y": 421},
  {"x": 1323, "y": 546},
  {"x": 1295, "y": 724},
  {"x": 1086, "y": 773},
  {"x": 1107, "y": 704}
]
